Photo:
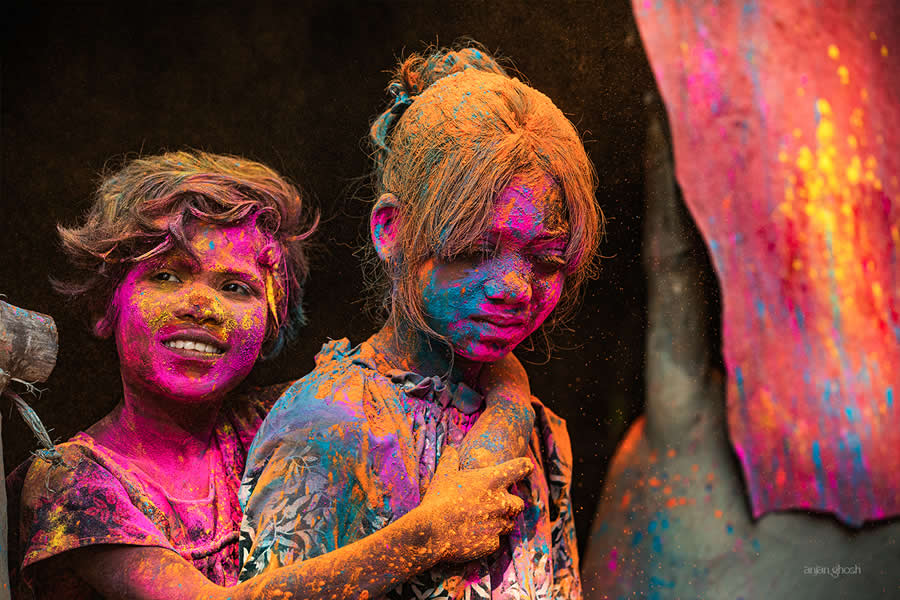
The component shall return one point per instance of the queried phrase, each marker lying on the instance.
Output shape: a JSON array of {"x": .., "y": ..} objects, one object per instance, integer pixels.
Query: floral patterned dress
[
  {"x": 96, "y": 496},
  {"x": 352, "y": 447}
]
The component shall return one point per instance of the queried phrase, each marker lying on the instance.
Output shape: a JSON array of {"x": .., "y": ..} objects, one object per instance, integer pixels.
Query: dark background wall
[{"x": 295, "y": 85}]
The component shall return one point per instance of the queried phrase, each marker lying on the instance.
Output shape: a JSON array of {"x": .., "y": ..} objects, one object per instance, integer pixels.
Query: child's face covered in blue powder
[{"x": 488, "y": 300}]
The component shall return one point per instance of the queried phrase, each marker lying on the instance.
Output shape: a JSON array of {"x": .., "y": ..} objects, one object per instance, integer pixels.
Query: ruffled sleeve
[
  {"x": 298, "y": 490},
  {"x": 556, "y": 456}
]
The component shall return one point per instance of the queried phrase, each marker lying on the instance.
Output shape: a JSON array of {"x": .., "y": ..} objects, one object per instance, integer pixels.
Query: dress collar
[{"x": 436, "y": 388}]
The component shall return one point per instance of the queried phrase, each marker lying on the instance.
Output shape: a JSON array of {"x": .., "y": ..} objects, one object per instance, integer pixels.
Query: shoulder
[
  {"x": 78, "y": 499},
  {"x": 327, "y": 407},
  {"x": 81, "y": 474},
  {"x": 331, "y": 394},
  {"x": 71, "y": 467}
]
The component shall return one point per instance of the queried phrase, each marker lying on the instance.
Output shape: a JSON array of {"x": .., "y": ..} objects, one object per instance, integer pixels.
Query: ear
[
  {"x": 383, "y": 225},
  {"x": 103, "y": 327},
  {"x": 105, "y": 324}
]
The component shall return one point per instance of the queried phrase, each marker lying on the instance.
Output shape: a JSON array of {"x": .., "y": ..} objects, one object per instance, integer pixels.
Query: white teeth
[{"x": 192, "y": 345}]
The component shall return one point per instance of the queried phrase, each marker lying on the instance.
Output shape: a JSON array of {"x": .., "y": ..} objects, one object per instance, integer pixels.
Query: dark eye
[
  {"x": 236, "y": 287},
  {"x": 479, "y": 252},
  {"x": 548, "y": 263},
  {"x": 165, "y": 276}
]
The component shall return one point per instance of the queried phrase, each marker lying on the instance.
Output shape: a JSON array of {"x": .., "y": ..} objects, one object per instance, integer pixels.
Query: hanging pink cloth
[{"x": 786, "y": 127}]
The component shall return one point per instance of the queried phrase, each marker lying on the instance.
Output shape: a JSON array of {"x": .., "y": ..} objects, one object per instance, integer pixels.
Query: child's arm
[
  {"x": 503, "y": 430},
  {"x": 461, "y": 518}
]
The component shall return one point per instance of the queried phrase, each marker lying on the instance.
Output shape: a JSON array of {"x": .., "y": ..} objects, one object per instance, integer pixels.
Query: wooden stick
[{"x": 28, "y": 345}]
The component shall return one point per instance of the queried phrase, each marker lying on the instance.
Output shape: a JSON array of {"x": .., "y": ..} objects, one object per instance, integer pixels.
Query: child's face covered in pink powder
[
  {"x": 489, "y": 300},
  {"x": 190, "y": 327}
]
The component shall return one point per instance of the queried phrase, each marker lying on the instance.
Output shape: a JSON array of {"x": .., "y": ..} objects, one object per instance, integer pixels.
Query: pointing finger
[{"x": 511, "y": 471}]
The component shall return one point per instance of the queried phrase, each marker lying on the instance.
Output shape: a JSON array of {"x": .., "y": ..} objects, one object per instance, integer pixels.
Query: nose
[
  {"x": 511, "y": 286},
  {"x": 202, "y": 305}
]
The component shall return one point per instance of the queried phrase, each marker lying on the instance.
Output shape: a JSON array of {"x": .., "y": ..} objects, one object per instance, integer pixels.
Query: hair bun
[{"x": 419, "y": 71}]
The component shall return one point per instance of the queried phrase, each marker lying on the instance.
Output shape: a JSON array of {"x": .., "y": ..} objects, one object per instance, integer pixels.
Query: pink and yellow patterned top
[{"x": 99, "y": 497}]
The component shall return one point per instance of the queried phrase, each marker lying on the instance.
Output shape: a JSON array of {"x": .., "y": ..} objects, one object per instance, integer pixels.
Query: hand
[{"x": 469, "y": 510}]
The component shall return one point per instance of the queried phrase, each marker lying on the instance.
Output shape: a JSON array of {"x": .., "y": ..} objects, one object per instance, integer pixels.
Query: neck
[
  {"x": 415, "y": 351},
  {"x": 162, "y": 429}
]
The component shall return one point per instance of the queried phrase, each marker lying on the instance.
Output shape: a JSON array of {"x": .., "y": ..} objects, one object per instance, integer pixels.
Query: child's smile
[{"x": 190, "y": 325}]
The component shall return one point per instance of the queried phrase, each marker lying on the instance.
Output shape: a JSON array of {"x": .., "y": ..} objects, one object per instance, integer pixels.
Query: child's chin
[
  {"x": 188, "y": 390},
  {"x": 485, "y": 352}
]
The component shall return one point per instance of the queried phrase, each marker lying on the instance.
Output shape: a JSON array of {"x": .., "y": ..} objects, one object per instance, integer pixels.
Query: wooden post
[{"x": 28, "y": 345}]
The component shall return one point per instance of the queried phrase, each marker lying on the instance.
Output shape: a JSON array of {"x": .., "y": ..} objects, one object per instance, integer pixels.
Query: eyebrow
[
  {"x": 178, "y": 257},
  {"x": 561, "y": 233},
  {"x": 239, "y": 274}
]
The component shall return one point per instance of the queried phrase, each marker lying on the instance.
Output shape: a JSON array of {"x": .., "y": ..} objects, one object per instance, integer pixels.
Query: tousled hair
[
  {"x": 458, "y": 131},
  {"x": 141, "y": 210}
]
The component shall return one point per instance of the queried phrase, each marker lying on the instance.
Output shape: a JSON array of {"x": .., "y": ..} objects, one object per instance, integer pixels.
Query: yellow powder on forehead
[{"x": 200, "y": 242}]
